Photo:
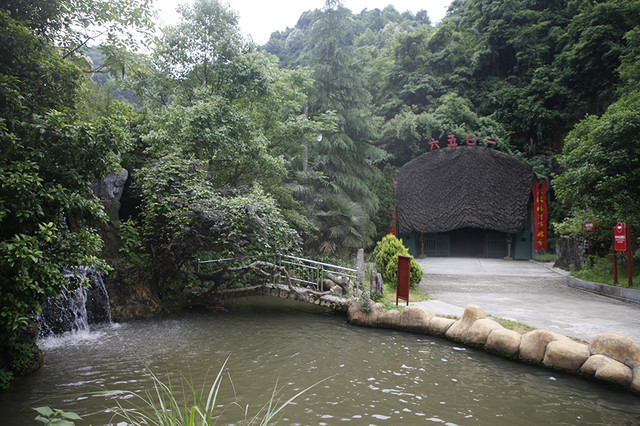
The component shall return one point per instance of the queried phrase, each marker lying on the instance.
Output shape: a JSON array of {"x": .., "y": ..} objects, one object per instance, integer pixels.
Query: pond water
[{"x": 374, "y": 376}]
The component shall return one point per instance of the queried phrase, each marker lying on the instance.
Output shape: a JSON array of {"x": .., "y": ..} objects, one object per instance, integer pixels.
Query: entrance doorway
[{"x": 467, "y": 242}]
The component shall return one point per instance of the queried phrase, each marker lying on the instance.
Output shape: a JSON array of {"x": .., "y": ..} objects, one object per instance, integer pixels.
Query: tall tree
[{"x": 347, "y": 157}]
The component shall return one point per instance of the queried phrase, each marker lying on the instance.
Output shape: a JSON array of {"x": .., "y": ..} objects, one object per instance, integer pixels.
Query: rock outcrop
[{"x": 609, "y": 358}]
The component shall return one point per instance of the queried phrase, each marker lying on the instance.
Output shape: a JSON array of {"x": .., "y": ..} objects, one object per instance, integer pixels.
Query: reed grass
[{"x": 163, "y": 406}]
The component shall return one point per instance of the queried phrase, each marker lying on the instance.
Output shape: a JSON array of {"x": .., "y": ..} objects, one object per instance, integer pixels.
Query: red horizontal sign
[
  {"x": 589, "y": 227},
  {"x": 472, "y": 140}
]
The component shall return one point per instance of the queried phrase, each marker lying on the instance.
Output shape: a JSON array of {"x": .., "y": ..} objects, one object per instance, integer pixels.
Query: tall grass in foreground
[{"x": 161, "y": 406}]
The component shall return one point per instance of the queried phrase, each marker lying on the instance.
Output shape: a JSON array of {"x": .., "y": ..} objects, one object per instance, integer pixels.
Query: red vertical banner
[{"x": 540, "y": 215}]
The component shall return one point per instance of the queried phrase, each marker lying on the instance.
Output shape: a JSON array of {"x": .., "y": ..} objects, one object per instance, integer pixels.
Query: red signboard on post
[
  {"x": 404, "y": 274},
  {"x": 622, "y": 248},
  {"x": 540, "y": 215},
  {"x": 620, "y": 237}
]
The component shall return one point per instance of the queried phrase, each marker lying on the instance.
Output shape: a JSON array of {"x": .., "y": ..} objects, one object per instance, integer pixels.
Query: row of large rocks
[{"x": 609, "y": 358}]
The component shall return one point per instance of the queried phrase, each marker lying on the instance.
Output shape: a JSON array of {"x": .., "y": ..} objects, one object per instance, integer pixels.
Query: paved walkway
[{"x": 529, "y": 292}]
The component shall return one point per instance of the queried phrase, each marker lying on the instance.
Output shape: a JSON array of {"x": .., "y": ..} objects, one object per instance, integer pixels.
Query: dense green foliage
[
  {"x": 185, "y": 218},
  {"x": 386, "y": 259},
  {"x": 601, "y": 182},
  {"x": 521, "y": 73},
  {"x": 533, "y": 68},
  {"x": 50, "y": 156},
  {"x": 235, "y": 150}
]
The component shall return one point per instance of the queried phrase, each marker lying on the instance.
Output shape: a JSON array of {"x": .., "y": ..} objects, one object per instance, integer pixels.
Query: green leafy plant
[
  {"x": 132, "y": 246},
  {"x": 386, "y": 258},
  {"x": 391, "y": 273},
  {"x": 6, "y": 377},
  {"x": 56, "y": 417}
]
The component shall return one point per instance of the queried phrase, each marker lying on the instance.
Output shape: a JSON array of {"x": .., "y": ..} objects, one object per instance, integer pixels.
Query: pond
[{"x": 373, "y": 376}]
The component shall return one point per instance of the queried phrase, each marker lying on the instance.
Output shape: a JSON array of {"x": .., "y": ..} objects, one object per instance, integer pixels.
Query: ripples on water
[{"x": 374, "y": 376}]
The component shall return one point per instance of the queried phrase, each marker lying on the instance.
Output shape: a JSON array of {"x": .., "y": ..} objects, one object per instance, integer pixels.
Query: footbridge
[
  {"x": 287, "y": 277},
  {"x": 295, "y": 293}
]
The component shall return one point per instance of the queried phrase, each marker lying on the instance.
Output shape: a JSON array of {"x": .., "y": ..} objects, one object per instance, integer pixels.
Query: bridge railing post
[{"x": 360, "y": 269}]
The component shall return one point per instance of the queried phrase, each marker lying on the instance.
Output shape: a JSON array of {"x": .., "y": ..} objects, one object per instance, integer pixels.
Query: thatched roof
[{"x": 463, "y": 187}]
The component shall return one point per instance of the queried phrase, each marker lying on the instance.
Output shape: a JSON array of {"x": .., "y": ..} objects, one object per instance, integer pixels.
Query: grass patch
[
  {"x": 508, "y": 324},
  {"x": 514, "y": 325},
  {"x": 600, "y": 270},
  {"x": 389, "y": 296},
  {"x": 544, "y": 257}
]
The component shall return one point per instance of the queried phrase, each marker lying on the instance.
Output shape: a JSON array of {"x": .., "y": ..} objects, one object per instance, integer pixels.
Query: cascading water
[{"x": 75, "y": 310}]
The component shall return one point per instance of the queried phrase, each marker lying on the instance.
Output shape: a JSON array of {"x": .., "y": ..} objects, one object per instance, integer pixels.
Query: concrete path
[{"x": 529, "y": 292}]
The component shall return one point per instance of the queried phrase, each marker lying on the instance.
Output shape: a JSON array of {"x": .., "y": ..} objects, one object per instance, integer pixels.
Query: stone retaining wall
[
  {"x": 609, "y": 358},
  {"x": 623, "y": 293}
]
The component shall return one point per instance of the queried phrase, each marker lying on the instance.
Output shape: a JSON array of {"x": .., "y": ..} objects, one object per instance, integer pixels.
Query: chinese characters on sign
[
  {"x": 622, "y": 248},
  {"x": 620, "y": 237},
  {"x": 540, "y": 215},
  {"x": 452, "y": 141}
]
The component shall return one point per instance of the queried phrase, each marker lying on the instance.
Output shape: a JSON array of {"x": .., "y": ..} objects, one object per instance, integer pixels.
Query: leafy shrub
[
  {"x": 386, "y": 258},
  {"x": 386, "y": 249},
  {"x": 6, "y": 377},
  {"x": 185, "y": 218},
  {"x": 391, "y": 273},
  {"x": 132, "y": 246}
]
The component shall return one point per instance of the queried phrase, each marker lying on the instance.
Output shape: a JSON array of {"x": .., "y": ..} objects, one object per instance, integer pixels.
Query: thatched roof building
[{"x": 463, "y": 187}]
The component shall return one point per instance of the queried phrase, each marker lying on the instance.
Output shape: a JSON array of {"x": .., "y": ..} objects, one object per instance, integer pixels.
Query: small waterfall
[{"x": 75, "y": 310}]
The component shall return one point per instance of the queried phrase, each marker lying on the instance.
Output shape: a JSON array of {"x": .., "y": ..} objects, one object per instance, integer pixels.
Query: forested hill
[
  {"x": 523, "y": 72},
  {"x": 232, "y": 153}
]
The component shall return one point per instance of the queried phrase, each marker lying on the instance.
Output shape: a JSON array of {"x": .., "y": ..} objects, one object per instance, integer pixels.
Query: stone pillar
[{"x": 377, "y": 285}]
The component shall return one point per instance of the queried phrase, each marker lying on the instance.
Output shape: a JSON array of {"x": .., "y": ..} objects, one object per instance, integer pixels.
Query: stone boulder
[
  {"x": 111, "y": 187},
  {"x": 504, "y": 342},
  {"x": 635, "y": 382},
  {"x": 606, "y": 369},
  {"x": 458, "y": 331},
  {"x": 337, "y": 290},
  {"x": 570, "y": 252},
  {"x": 480, "y": 330},
  {"x": 415, "y": 318},
  {"x": 130, "y": 295},
  {"x": 534, "y": 344},
  {"x": 389, "y": 319},
  {"x": 360, "y": 315},
  {"x": 566, "y": 355},
  {"x": 438, "y": 326},
  {"x": 623, "y": 349},
  {"x": 326, "y": 284}
]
